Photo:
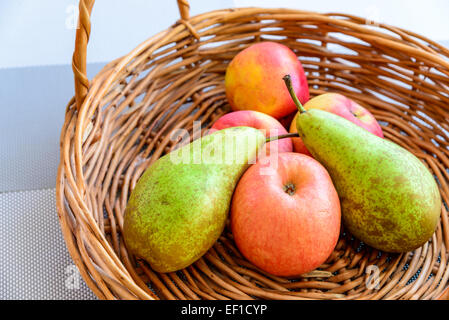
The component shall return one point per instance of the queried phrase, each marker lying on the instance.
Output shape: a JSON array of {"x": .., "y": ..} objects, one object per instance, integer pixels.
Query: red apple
[
  {"x": 257, "y": 120},
  {"x": 285, "y": 215},
  {"x": 253, "y": 79},
  {"x": 343, "y": 107}
]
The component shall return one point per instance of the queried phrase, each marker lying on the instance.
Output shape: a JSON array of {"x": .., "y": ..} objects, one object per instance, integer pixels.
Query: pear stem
[
  {"x": 288, "y": 82},
  {"x": 284, "y": 136}
]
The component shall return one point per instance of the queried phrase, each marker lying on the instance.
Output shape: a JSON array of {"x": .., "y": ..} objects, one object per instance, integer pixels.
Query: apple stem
[
  {"x": 288, "y": 82},
  {"x": 284, "y": 136}
]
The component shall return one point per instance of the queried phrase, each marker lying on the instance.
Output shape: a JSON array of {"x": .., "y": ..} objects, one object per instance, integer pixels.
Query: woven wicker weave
[{"x": 120, "y": 122}]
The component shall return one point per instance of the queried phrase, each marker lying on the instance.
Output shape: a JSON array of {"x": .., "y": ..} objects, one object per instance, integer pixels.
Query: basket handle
[{"x": 81, "y": 40}]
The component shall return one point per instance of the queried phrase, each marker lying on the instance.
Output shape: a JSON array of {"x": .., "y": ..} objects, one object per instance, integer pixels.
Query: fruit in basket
[
  {"x": 180, "y": 205},
  {"x": 269, "y": 125},
  {"x": 389, "y": 199},
  {"x": 285, "y": 215},
  {"x": 342, "y": 106},
  {"x": 253, "y": 79}
]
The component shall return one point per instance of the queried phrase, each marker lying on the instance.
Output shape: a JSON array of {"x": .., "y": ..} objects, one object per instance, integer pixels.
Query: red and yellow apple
[
  {"x": 258, "y": 120},
  {"x": 253, "y": 79},
  {"x": 285, "y": 214},
  {"x": 343, "y": 107}
]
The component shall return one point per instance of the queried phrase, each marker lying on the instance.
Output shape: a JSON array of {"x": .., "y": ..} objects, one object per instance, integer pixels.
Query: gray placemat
[
  {"x": 32, "y": 108},
  {"x": 35, "y": 263}
]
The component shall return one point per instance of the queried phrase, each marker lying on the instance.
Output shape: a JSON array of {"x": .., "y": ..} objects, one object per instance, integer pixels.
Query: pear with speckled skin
[
  {"x": 389, "y": 199},
  {"x": 179, "y": 207}
]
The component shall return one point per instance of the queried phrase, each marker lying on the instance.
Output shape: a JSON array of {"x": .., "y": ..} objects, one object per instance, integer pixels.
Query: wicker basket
[{"x": 120, "y": 123}]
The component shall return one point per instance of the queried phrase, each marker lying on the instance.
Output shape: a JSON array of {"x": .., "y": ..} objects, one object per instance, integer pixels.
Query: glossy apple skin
[
  {"x": 261, "y": 121},
  {"x": 253, "y": 79},
  {"x": 342, "y": 106},
  {"x": 286, "y": 234}
]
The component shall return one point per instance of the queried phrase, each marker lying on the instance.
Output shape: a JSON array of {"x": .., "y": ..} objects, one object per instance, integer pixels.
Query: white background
[{"x": 40, "y": 32}]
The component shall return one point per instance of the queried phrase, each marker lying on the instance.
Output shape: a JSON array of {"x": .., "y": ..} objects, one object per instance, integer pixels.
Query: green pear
[
  {"x": 389, "y": 199},
  {"x": 179, "y": 207}
]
